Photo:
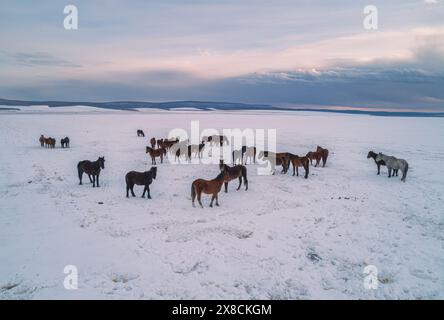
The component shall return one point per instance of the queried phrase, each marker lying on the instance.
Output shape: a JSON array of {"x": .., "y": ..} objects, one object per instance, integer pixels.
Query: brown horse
[
  {"x": 153, "y": 142},
  {"x": 141, "y": 179},
  {"x": 314, "y": 155},
  {"x": 324, "y": 155},
  {"x": 212, "y": 187},
  {"x": 155, "y": 153},
  {"x": 159, "y": 143},
  {"x": 167, "y": 144},
  {"x": 276, "y": 159},
  {"x": 297, "y": 162},
  {"x": 42, "y": 140},
  {"x": 234, "y": 172},
  {"x": 91, "y": 168},
  {"x": 50, "y": 142}
]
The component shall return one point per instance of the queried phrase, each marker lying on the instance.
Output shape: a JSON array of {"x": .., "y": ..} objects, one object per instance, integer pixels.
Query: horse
[
  {"x": 155, "y": 153},
  {"x": 50, "y": 142},
  {"x": 153, "y": 142},
  {"x": 167, "y": 144},
  {"x": 140, "y": 133},
  {"x": 42, "y": 140},
  {"x": 65, "y": 142},
  {"x": 234, "y": 172},
  {"x": 216, "y": 139},
  {"x": 91, "y": 168},
  {"x": 195, "y": 149},
  {"x": 236, "y": 156},
  {"x": 275, "y": 159},
  {"x": 160, "y": 143},
  {"x": 297, "y": 162},
  {"x": 324, "y": 154},
  {"x": 393, "y": 163},
  {"x": 250, "y": 152},
  {"x": 212, "y": 187},
  {"x": 314, "y": 155},
  {"x": 141, "y": 179},
  {"x": 379, "y": 163}
]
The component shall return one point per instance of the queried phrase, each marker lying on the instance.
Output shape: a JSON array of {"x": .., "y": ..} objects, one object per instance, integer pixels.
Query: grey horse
[{"x": 393, "y": 163}]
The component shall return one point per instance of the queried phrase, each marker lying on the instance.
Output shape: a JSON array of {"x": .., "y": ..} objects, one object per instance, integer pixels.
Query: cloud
[{"x": 36, "y": 59}]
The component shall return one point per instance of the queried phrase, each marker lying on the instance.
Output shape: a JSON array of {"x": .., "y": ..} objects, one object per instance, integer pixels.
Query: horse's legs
[
  {"x": 127, "y": 190},
  {"x": 94, "y": 180},
  {"x": 226, "y": 187},
  {"x": 212, "y": 198},
  {"x": 161, "y": 158},
  {"x": 148, "y": 189},
  {"x": 132, "y": 190},
  {"x": 246, "y": 183},
  {"x": 143, "y": 194},
  {"x": 90, "y": 180},
  {"x": 80, "y": 172},
  {"x": 240, "y": 183},
  {"x": 217, "y": 200},
  {"x": 390, "y": 172},
  {"x": 379, "y": 168},
  {"x": 199, "y": 195},
  {"x": 97, "y": 180},
  {"x": 297, "y": 171}
]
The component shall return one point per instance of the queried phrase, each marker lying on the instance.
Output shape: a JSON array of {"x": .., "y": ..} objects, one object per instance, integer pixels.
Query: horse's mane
[{"x": 220, "y": 175}]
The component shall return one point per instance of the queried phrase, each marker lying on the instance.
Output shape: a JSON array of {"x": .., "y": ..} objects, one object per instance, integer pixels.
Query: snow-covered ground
[{"x": 284, "y": 238}]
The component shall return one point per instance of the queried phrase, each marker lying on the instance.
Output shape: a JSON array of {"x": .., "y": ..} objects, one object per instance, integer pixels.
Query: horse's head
[
  {"x": 147, "y": 149},
  {"x": 154, "y": 172},
  {"x": 371, "y": 154},
  {"x": 221, "y": 165},
  {"x": 102, "y": 162}
]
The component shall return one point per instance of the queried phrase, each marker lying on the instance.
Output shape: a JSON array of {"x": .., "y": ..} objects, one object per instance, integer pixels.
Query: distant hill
[{"x": 207, "y": 106}]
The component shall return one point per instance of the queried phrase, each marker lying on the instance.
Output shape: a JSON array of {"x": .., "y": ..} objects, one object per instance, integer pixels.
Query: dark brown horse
[
  {"x": 91, "y": 168},
  {"x": 379, "y": 163},
  {"x": 65, "y": 142},
  {"x": 159, "y": 143},
  {"x": 156, "y": 153},
  {"x": 235, "y": 172},
  {"x": 324, "y": 155},
  {"x": 141, "y": 179},
  {"x": 212, "y": 187},
  {"x": 167, "y": 144},
  {"x": 153, "y": 142},
  {"x": 297, "y": 162},
  {"x": 140, "y": 133},
  {"x": 42, "y": 140}
]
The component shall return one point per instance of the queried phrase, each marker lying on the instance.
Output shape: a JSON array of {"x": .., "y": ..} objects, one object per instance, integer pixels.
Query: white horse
[
  {"x": 250, "y": 152},
  {"x": 393, "y": 163}
]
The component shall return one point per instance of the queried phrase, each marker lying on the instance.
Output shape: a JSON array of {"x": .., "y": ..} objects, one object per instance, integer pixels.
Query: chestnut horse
[
  {"x": 297, "y": 162},
  {"x": 212, "y": 187},
  {"x": 324, "y": 155},
  {"x": 156, "y": 153},
  {"x": 140, "y": 179},
  {"x": 50, "y": 142},
  {"x": 91, "y": 168},
  {"x": 275, "y": 159},
  {"x": 235, "y": 172}
]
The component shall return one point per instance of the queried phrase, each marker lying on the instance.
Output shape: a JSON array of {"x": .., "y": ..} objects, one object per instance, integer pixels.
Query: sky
[{"x": 282, "y": 52}]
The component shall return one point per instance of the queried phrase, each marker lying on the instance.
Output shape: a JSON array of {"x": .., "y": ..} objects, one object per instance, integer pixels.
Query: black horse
[
  {"x": 234, "y": 172},
  {"x": 65, "y": 142},
  {"x": 140, "y": 133},
  {"x": 140, "y": 179},
  {"x": 91, "y": 168},
  {"x": 379, "y": 163}
]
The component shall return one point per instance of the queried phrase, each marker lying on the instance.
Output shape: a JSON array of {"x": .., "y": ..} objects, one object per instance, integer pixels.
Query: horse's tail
[
  {"x": 306, "y": 163},
  {"x": 79, "y": 170},
  {"x": 404, "y": 174},
  {"x": 193, "y": 192},
  {"x": 325, "y": 156}
]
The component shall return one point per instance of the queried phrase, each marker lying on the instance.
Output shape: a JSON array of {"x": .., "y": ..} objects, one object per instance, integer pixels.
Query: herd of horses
[
  {"x": 49, "y": 142},
  {"x": 159, "y": 148}
]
